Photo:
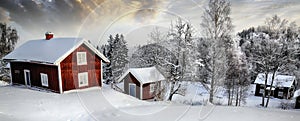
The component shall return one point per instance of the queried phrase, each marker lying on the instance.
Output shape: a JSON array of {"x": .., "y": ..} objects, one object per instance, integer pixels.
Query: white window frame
[
  {"x": 81, "y": 58},
  {"x": 280, "y": 94},
  {"x": 261, "y": 91},
  {"x": 44, "y": 79},
  {"x": 27, "y": 82},
  {"x": 83, "y": 79},
  {"x": 152, "y": 87}
]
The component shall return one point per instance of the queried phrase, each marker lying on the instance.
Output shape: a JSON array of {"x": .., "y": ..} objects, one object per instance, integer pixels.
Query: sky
[{"x": 95, "y": 20}]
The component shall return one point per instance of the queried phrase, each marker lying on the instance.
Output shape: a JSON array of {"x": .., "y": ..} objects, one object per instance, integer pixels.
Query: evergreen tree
[
  {"x": 119, "y": 58},
  {"x": 117, "y": 52},
  {"x": 8, "y": 40}
]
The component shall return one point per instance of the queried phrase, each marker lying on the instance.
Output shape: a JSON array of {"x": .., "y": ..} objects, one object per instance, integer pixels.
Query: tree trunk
[
  {"x": 269, "y": 93},
  {"x": 171, "y": 91},
  {"x": 232, "y": 95},
  {"x": 211, "y": 93},
  {"x": 212, "y": 84},
  {"x": 170, "y": 97},
  {"x": 229, "y": 91},
  {"x": 229, "y": 96},
  {"x": 264, "y": 93},
  {"x": 237, "y": 96},
  {"x": 212, "y": 88},
  {"x": 241, "y": 93}
]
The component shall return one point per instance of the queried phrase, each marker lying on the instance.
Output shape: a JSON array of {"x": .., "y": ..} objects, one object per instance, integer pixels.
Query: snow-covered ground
[
  {"x": 196, "y": 94},
  {"x": 104, "y": 104},
  {"x": 3, "y": 83}
]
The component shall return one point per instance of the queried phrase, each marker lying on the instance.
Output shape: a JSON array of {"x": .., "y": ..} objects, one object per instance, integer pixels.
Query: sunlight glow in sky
[{"x": 96, "y": 19}]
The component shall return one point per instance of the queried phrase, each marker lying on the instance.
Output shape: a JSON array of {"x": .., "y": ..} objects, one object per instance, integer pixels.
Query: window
[
  {"x": 83, "y": 79},
  {"x": 280, "y": 94},
  {"x": 44, "y": 79},
  {"x": 280, "y": 91},
  {"x": 81, "y": 58},
  {"x": 152, "y": 88},
  {"x": 261, "y": 89}
]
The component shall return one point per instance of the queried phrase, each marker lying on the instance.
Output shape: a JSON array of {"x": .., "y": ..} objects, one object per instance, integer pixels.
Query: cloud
[
  {"x": 4, "y": 15},
  {"x": 95, "y": 19},
  {"x": 66, "y": 17},
  {"x": 36, "y": 17},
  {"x": 253, "y": 13}
]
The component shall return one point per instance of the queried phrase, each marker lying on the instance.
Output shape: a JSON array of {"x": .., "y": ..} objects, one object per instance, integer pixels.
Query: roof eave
[{"x": 29, "y": 61}]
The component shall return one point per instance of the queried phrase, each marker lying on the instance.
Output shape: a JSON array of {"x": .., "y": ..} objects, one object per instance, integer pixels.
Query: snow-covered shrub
[
  {"x": 187, "y": 102},
  {"x": 205, "y": 102},
  {"x": 286, "y": 104},
  {"x": 218, "y": 102},
  {"x": 3, "y": 83}
]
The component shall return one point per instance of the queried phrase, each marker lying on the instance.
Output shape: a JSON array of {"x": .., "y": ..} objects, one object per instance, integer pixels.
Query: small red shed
[
  {"x": 56, "y": 64},
  {"x": 140, "y": 82}
]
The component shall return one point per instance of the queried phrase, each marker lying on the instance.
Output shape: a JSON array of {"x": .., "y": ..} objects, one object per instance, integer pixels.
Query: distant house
[
  {"x": 56, "y": 64},
  {"x": 283, "y": 85},
  {"x": 140, "y": 82},
  {"x": 297, "y": 98}
]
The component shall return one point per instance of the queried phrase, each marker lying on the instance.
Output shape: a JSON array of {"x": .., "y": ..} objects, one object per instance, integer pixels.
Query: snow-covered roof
[
  {"x": 51, "y": 51},
  {"x": 280, "y": 80},
  {"x": 144, "y": 75}
]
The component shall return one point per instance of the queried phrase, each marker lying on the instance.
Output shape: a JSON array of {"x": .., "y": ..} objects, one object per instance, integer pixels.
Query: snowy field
[
  {"x": 196, "y": 94},
  {"x": 104, "y": 104}
]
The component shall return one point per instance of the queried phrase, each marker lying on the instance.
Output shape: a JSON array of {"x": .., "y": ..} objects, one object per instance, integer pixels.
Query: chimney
[{"x": 49, "y": 35}]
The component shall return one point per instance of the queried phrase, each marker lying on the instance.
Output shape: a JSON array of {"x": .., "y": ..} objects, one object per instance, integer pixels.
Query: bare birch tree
[
  {"x": 180, "y": 36},
  {"x": 217, "y": 27}
]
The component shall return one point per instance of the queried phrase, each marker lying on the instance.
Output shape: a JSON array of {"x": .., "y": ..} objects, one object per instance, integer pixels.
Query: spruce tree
[
  {"x": 8, "y": 40},
  {"x": 117, "y": 52}
]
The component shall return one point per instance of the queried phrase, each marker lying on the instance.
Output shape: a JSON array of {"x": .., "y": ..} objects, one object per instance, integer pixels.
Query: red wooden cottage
[
  {"x": 140, "y": 82},
  {"x": 56, "y": 64}
]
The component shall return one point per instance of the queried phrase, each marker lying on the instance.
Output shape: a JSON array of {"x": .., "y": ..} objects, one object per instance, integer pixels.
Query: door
[
  {"x": 27, "y": 78},
  {"x": 132, "y": 89}
]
